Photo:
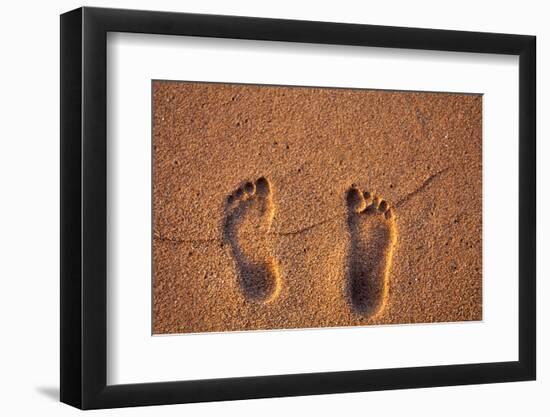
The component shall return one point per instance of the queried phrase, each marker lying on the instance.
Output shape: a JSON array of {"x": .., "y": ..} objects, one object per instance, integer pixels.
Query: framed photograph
[{"x": 256, "y": 208}]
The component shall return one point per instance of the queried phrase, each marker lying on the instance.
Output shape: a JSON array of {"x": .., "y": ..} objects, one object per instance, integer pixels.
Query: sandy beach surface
[{"x": 298, "y": 207}]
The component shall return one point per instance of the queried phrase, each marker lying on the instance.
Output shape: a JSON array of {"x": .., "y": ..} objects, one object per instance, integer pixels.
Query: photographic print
[
  {"x": 284, "y": 207},
  {"x": 308, "y": 196}
]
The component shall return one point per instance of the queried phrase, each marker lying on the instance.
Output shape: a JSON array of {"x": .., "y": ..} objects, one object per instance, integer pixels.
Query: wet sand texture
[{"x": 299, "y": 207}]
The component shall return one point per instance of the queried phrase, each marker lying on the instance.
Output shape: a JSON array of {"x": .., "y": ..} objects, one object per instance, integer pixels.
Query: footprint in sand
[
  {"x": 248, "y": 215},
  {"x": 371, "y": 223}
]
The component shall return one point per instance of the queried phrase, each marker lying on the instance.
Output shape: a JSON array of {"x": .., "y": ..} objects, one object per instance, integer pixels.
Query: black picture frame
[{"x": 84, "y": 207}]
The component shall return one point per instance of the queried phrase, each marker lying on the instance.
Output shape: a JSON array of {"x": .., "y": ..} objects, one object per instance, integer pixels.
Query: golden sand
[{"x": 293, "y": 207}]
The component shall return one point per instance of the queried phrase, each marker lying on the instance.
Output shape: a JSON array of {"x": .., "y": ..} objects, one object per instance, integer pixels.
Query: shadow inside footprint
[
  {"x": 248, "y": 216},
  {"x": 371, "y": 225}
]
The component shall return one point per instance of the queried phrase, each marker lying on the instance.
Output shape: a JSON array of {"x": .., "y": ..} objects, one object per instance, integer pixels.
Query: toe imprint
[{"x": 372, "y": 232}]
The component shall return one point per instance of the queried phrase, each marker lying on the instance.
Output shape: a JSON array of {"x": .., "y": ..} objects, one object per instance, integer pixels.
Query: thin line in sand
[
  {"x": 401, "y": 202},
  {"x": 420, "y": 188}
]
